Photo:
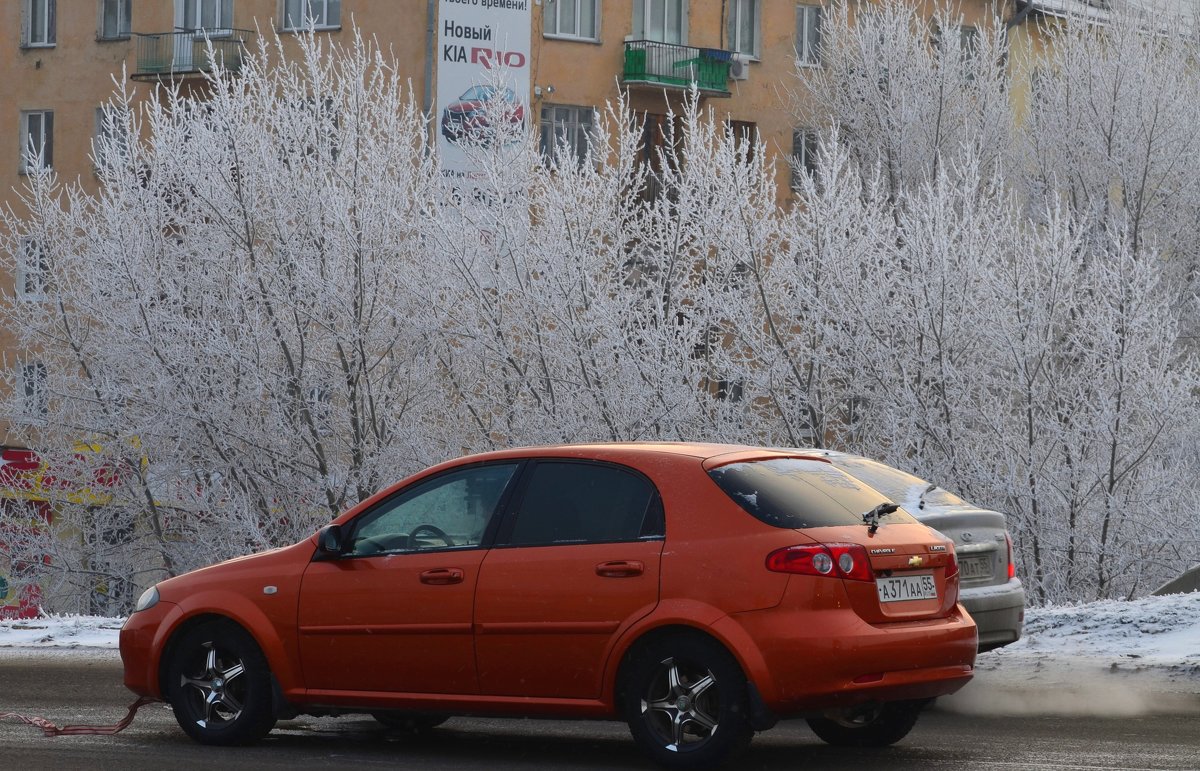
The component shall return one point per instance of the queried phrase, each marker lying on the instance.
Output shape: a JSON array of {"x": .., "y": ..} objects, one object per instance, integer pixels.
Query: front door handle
[
  {"x": 442, "y": 576},
  {"x": 620, "y": 569}
]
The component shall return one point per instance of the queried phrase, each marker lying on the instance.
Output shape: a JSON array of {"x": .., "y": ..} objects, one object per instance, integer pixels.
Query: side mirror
[{"x": 329, "y": 541}]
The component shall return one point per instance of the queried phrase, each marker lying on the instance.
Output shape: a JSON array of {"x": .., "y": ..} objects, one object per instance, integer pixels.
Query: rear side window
[
  {"x": 797, "y": 493},
  {"x": 568, "y": 502}
]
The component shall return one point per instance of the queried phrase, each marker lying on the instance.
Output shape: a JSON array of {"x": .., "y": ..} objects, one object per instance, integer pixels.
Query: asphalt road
[{"x": 77, "y": 690}]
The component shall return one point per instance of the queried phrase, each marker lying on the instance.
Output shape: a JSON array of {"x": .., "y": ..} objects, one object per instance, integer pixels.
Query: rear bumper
[
  {"x": 999, "y": 612},
  {"x": 815, "y": 660}
]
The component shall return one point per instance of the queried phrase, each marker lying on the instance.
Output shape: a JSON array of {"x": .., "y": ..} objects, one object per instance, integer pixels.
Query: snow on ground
[{"x": 1100, "y": 658}]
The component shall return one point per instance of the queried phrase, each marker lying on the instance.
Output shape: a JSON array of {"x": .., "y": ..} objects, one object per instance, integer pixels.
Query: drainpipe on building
[{"x": 427, "y": 102}]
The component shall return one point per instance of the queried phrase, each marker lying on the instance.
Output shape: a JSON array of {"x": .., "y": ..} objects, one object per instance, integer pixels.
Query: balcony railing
[
  {"x": 665, "y": 65},
  {"x": 180, "y": 54}
]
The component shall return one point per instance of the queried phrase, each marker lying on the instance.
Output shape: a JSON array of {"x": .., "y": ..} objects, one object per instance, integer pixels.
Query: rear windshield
[
  {"x": 904, "y": 489},
  {"x": 792, "y": 493}
]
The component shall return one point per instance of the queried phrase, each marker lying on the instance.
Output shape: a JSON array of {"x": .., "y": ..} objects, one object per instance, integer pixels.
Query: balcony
[
  {"x": 654, "y": 65},
  {"x": 175, "y": 55}
]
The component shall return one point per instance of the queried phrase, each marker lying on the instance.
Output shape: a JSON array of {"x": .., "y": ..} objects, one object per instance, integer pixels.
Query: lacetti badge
[
  {"x": 883, "y": 551},
  {"x": 915, "y": 562},
  {"x": 938, "y": 547}
]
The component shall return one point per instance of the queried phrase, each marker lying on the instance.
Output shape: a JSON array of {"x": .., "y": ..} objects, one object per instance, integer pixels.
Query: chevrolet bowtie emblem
[{"x": 915, "y": 562}]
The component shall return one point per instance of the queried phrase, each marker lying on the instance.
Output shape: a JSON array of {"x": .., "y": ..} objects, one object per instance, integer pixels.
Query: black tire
[
  {"x": 409, "y": 722},
  {"x": 219, "y": 685},
  {"x": 686, "y": 701},
  {"x": 880, "y": 726}
]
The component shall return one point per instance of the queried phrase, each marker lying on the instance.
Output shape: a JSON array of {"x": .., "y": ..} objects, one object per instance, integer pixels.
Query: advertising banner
[{"x": 483, "y": 62}]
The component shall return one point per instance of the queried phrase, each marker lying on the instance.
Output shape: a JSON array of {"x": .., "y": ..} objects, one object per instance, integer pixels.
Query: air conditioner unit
[{"x": 739, "y": 67}]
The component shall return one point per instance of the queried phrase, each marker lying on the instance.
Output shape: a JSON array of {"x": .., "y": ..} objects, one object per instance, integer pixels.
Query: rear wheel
[
  {"x": 219, "y": 685},
  {"x": 686, "y": 703},
  {"x": 409, "y": 722},
  {"x": 876, "y": 725}
]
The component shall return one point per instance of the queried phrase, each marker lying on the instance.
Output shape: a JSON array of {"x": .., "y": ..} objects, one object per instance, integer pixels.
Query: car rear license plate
[
  {"x": 976, "y": 567},
  {"x": 901, "y": 588}
]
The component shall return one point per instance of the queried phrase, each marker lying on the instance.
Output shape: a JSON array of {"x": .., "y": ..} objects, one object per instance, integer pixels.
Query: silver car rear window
[{"x": 799, "y": 493}]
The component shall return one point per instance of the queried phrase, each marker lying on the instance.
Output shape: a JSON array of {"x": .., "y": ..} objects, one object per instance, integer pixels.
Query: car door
[
  {"x": 393, "y": 611},
  {"x": 576, "y": 562}
]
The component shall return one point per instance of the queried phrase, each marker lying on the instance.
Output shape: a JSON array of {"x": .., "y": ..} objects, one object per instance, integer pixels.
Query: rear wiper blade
[
  {"x": 926, "y": 491},
  {"x": 872, "y": 517}
]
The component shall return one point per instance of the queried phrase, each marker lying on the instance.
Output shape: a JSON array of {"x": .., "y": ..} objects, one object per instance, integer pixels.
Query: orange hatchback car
[{"x": 699, "y": 592}]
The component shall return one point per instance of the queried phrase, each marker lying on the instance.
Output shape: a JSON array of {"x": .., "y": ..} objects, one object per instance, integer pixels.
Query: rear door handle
[
  {"x": 620, "y": 569},
  {"x": 442, "y": 576}
]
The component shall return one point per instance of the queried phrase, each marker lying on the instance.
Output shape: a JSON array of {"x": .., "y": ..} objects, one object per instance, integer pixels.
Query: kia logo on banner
[{"x": 482, "y": 74}]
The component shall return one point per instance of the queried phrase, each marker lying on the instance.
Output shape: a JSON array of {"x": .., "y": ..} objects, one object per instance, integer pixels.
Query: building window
[
  {"x": 116, "y": 19},
  {"x": 744, "y": 36},
  {"x": 571, "y": 18},
  {"x": 37, "y": 140},
  {"x": 804, "y": 155},
  {"x": 35, "y": 393},
  {"x": 39, "y": 23},
  {"x": 323, "y": 14},
  {"x": 111, "y": 146},
  {"x": 663, "y": 21},
  {"x": 745, "y": 138},
  {"x": 32, "y": 270},
  {"x": 808, "y": 34},
  {"x": 566, "y": 131},
  {"x": 213, "y": 16}
]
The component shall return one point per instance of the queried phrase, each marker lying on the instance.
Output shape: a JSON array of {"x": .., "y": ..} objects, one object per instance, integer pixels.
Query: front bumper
[
  {"x": 999, "y": 612},
  {"x": 141, "y": 647}
]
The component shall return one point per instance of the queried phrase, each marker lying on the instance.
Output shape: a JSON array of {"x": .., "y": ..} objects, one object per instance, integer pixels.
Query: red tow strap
[{"x": 51, "y": 730}]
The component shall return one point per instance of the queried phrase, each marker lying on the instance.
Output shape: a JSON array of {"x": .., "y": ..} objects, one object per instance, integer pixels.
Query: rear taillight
[
  {"x": 842, "y": 560},
  {"x": 1012, "y": 566}
]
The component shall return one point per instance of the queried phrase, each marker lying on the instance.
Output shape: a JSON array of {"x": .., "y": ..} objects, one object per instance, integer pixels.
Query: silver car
[{"x": 991, "y": 591}]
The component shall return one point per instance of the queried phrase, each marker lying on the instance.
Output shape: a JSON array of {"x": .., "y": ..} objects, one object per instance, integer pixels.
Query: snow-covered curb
[{"x": 60, "y": 632}]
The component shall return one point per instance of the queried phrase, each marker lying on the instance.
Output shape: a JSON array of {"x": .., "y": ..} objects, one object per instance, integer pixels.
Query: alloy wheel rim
[
  {"x": 217, "y": 693},
  {"x": 681, "y": 705}
]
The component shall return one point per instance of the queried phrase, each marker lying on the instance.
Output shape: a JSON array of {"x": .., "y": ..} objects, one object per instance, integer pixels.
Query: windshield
[
  {"x": 798, "y": 493},
  {"x": 902, "y": 488},
  {"x": 478, "y": 94}
]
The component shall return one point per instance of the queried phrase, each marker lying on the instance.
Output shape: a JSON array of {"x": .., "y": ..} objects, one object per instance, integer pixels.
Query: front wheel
[
  {"x": 686, "y": 702},
  {"x": 219, "y": 685},
  {"x": 878, "y": 725}
]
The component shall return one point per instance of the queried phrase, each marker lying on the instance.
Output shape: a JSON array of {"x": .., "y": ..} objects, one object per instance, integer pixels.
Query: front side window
[
  {"x": 450, "y": 511},
  {"x": 322, "y": 14},
  {"x": 40, "y": 23},
  {"x": 800, "y": 493},
  {"x": 569, "y": 502},
  {"x": 571, "y": 18},
  {"x": 808, "y": 34},
  {"x": 744, "y": 27},
  {"x": 37, "y": 140},
  {"x": 663, "y": 21},
  {"x": 565, "y": 131},
  {"x": 116, "y": 19}
]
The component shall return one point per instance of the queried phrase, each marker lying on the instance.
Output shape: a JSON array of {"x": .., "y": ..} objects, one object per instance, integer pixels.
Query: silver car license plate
[
  {"x": 976, "y": 567},
  {"x": 901, "y": 588}
]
